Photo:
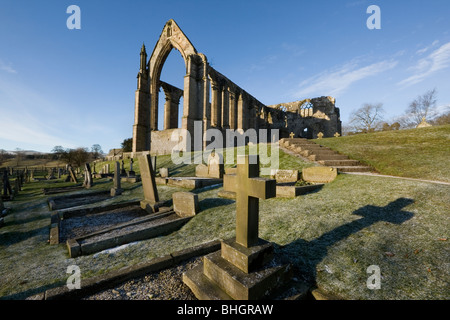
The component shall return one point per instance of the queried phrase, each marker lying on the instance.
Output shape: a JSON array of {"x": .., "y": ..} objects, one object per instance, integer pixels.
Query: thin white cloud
[
  {"x": 334, "y": 82},
  {"x": 425, "y": 67},
  {"x": 7, "y": 67},
  {"x": 423, "y": 50}
]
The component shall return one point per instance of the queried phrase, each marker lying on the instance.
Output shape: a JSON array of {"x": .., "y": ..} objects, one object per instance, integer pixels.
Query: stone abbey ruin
[{"x": 214, "y": 101}]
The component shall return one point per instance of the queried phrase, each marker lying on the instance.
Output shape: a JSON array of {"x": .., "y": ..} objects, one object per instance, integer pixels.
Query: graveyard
[{"x": 324, "y": 238}]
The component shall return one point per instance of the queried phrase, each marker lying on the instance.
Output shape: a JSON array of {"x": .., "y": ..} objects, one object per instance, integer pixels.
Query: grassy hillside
[{"x": 422, "y": 153}]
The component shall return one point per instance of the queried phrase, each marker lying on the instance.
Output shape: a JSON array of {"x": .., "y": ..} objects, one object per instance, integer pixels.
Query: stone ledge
[{"x": 116, "y": 277}]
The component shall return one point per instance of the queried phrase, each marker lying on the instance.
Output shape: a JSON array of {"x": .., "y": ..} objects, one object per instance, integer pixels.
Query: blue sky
[{"x": 75, "y": 88}]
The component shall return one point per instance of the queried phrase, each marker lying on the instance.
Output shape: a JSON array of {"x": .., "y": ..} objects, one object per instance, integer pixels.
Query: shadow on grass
[
  {"x": 13, "y": 237},
  {"x": 27, "y": 293},
  {"x": 313, "y": 252},
  {"x": 209, "y": 203}
]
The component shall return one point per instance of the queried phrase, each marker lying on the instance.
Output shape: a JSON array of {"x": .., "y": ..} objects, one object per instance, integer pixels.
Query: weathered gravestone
[
  {"x": 116, "y": 190},
  {"x": 214, "y": 168},
  {"x": 283, "y": 176},
  {"x": 72, "y": 175},
  {"x": 131, "y": 173},
  {"x": 319, "y": 174},
  {"x": 7, "y": 190},
  {"x": 185, "y": 204},
  {"x": 244, "y": 268},
  {"x": 151, "y": 198},
  {"x": 88, "y": 183},
  {"x": 164, "y": 172}
]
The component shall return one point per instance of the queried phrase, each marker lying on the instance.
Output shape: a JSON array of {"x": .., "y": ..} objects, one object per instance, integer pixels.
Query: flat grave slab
[
  {"x": 77, "y": 199},
  {"x": 90, "y": 230}
]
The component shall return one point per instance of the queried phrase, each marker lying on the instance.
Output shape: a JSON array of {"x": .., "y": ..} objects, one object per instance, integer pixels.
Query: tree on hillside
[
  {"x": 441, "y": 120},
  {"x": 127, "y": 145},
  {"x": 58, "y": 151},
  {"x": 367, "y": 118},
  {"x": 76, "y": 157},
  {"x": 96, "y": 151},
  {"x": 421, "y": 108}
]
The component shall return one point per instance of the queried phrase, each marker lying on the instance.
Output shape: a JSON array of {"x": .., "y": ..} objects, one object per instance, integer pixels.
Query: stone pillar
[
  {"x": 225, "y": 108},
  {"x": 215, "y": 100},
  {"x": 116, "y": 190},
  {"x": 141, "y": 127},
  {"x": 232, "y": 102}
]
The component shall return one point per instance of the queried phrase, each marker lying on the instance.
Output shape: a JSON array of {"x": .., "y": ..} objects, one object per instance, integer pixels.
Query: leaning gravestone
[
  {"x": 87, "y": 176},
  {"x": 72, "y": 175},
  {"x": 151, "y": 198},
  {"x": 244, "y": 268},
  {"x": 319, "y": 174}
]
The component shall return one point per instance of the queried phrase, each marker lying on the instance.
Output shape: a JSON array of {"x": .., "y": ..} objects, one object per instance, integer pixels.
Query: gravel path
[{"x": 164, "y": 285}]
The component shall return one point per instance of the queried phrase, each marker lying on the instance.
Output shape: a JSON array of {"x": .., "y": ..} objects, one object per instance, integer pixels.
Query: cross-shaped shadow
[{"x": 310, "y": 254}]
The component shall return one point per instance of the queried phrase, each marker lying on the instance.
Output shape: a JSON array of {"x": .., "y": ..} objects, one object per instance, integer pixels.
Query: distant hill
[{"x": 422, "y": 153}]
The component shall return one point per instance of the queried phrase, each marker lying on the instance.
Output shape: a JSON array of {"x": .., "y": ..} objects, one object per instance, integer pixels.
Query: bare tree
[
  {"x": 421, "y": 107},
  {"x": 96, "y": 151},
  {"x": 367, "y": 118}
]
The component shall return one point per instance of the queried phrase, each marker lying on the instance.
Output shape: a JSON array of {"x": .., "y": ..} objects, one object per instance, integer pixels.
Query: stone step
[
  {"x": 307, "y": 153},
  {"x": 240, "y": 285},
  {"x": 353, "y": 168},
  {"x": 336, "y": 163},
  {"x": 327, "y": 157}
]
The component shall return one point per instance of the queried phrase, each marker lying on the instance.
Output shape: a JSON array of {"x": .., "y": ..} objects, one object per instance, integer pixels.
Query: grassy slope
[
  {"x": 324, "y": 235},
  {"x": 416, "y": 153}
]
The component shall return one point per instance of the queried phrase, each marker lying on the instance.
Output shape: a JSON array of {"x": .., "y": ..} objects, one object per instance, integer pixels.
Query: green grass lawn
[
  {"x": 331, "y": 236},
  {"x": 422, "y": 153}
]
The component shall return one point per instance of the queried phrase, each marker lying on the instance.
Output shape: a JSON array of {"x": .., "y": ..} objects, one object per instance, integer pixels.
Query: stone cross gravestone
[
  {"x": 244, "y": 268},
  {"x": 151, "y": 198},
  {"x": 320, "y": 135},
  {"x": 292, "y": 135},
  {"x": 337, "y": 135},
  {"x": 116, "y": 190},
  {"x": 249, "y": 188}
]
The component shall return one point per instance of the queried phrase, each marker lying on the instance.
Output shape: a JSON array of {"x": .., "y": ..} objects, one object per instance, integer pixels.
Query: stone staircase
[{"x": 323, "y": 155}]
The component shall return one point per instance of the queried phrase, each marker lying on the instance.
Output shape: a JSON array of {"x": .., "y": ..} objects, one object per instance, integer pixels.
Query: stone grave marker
[
  {"x": 283, "y": 176},
  {"x": 337, "y": 135},
  {"x": 6, "y": 185},
  {"x": 244, "y": 268},
  {"x": 164, "y": 172},
  {"x": 215, "y": 165},
  {"x": 151, "y": 198},
  {"x": 72, "y": 175},
  {"x": 319, "y": 174},
  {"x": 291, "y": 135},
  {"x": 131, "y": 173},
  {"x": 320, "y": 135},
  {"x": 185, "y": 204},
  {"x": 214, "y": 168},
  {"x": 123, "y": 172},
  {"x": 116, "y": 190},
  {"x": 88, "y": 183}
]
